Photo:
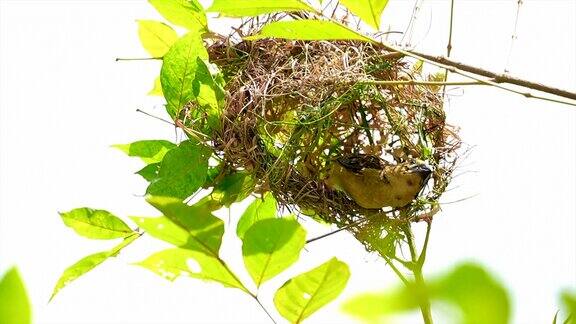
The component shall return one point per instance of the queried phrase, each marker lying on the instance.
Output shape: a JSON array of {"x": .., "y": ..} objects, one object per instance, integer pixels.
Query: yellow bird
[{"x": 373, "y": 183}]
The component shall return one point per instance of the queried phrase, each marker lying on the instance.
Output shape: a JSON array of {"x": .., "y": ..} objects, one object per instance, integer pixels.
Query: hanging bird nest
[{"x": 292, "y": 107}]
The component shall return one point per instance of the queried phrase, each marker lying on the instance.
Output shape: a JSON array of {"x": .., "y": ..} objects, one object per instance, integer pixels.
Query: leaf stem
[
  {"x": 419, "y": 283},
  {"x": 263, "y": 308}
]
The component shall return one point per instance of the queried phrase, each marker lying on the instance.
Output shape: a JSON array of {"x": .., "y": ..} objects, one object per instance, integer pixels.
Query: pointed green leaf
[
  {"x": 157, "y": 89},
  {"x": 172, "y": 263},
  {"x": 182, "y": 171},
  {"x": 185, "y": 13},
  {"x": 258, "y": 210},
  {"x": 304, "y": 294},
  {"x": 95, "y": 223},
  {"x": 88, "y": 263},
  {"x": 150, "y": 151},
  {"x": 271, "y": 246},
  {"x": 156, "y": 37},
  {"x": 474, "y": 292},
  {"x": 243, "y": 8},
  {"x": 197, "y": 229},
  {"x": 307, "y": 30},
  {"x": 232, "y": 188},
  {"x": 179, "y": 70},
  {"x": 78, "y": 269},
  {"x": 14, "y": 302},
  {"x": 370, "y": 11},
  {"x": 150, "y": 172},
  {"x": 208, "y": 90}
]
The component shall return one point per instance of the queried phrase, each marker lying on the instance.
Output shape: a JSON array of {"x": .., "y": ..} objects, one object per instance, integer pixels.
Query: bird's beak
[{"x": 421, "y": 169}]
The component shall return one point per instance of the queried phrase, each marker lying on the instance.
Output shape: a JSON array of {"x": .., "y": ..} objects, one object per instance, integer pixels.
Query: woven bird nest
[{"x": 294, "y": 106}]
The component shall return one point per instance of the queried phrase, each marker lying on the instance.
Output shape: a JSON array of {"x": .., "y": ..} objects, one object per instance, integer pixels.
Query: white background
[{"x": 64, "y": 101}]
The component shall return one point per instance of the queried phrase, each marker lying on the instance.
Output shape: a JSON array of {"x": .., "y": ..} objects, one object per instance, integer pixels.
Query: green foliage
[
  {"x": 243, "y": 8},
  {"x": 568, "y": 298},
  {"x": 186, "y": 13},
  {"x": 258, "y": 210},
  {"x": 270, "y": 246},
  {"x": 208, "y": 89},
  {"x": 202, "y": 230},
  {"x": 88, "y": 263},
  {"x": 179, "y": 71},
  {"x": 14, "y": 303},
  {"x": 150, "y": 172},
  {"x": 156, "y": 37},
  {"x": 232, "y": 188},
  {"x": 182, "y": 171},
  {"x": 308, "y": 30},
  {"x": 475, "y": 293},
  {"x": 95, "y": 223},
  {"x": 369, "y": 11},
  {"x": 173, "y": 263},
  {"x": 150, "y": 151},
  {"x": 304, "y": 294}
]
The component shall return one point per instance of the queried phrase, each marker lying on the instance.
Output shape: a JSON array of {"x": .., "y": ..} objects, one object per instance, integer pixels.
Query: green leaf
[
  {"x": 475, "y": 293},
  {"x": 307, "y": 30},
  {"x": 302, "y": 295},
  {"x": 568, "y": 298},
  {"x": 95, "y": 223},
  {"x": 232, "y": 188},
  {"x": 208, "y": 89},
  {"x": 243, "y": 8},
  {"x": 88, "y": 263},
  {"x": 179, "y": 70},
  {"x": 182, "y": 171},
  {"x": 14, "y": 303},
  {"x": 150, "y": 172},
  {"x": 150, "y": 151},
  {"x": 185, "y": 13},
  {"x": 172, "y": 263},
  {"x": 157, "y": 89},
  {"x": 196, "y": 228},
  {"x": 258, "y": 210},
  {"x": 156, "y": 37},
  {"x": 370, "y": 11},
  {"x": 271, "y": 246}
]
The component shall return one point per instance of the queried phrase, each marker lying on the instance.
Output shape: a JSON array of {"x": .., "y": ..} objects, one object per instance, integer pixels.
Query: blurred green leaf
[
  {"x": 370, "y": 11},
  {"x": 569, "y": 302},
  {"x": 95, "y": 223},
  {"x": 172, "y": 263},
  {"x": 156, "y": 37},
  {"x": 150, "y": 172},
  {"x": 258, "y": 210},
  {"x": 182, "y": 171},
  {"x": 307, "y": 30},
  {"x": 476, "y": 294},
  {"x": 185, "y": 13},
  {"x": 304, "y": 294},
  {"x": 14, "y": 304},
  {"x": 192, "y": 227},
  {"x": 243, "y": 8},
  {"x": 88, "y": 263},
  {"x": 270, "y": 246},
  {"x": 178, "y": 71},
  {"x": 150, "y": 151},
  {"x": 157, "y": 89}
]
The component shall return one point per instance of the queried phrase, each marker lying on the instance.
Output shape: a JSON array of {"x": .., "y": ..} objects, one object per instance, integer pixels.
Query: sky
[{"x": 64, "y": 100}]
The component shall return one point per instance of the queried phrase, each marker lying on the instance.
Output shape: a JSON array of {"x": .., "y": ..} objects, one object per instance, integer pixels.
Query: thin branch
[
  {"x": 416, "y": 82},
  {"x": 514, "y": 36},
  {"x": 137, "y": 59},
  {"x": 263, "y": 308},
  {"x": 422, "y": 257},
  {"x": 458, "y": 67}
]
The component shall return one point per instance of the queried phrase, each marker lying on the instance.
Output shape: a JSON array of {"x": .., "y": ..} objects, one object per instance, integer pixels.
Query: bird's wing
[{"x": 357, "y": 162}]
